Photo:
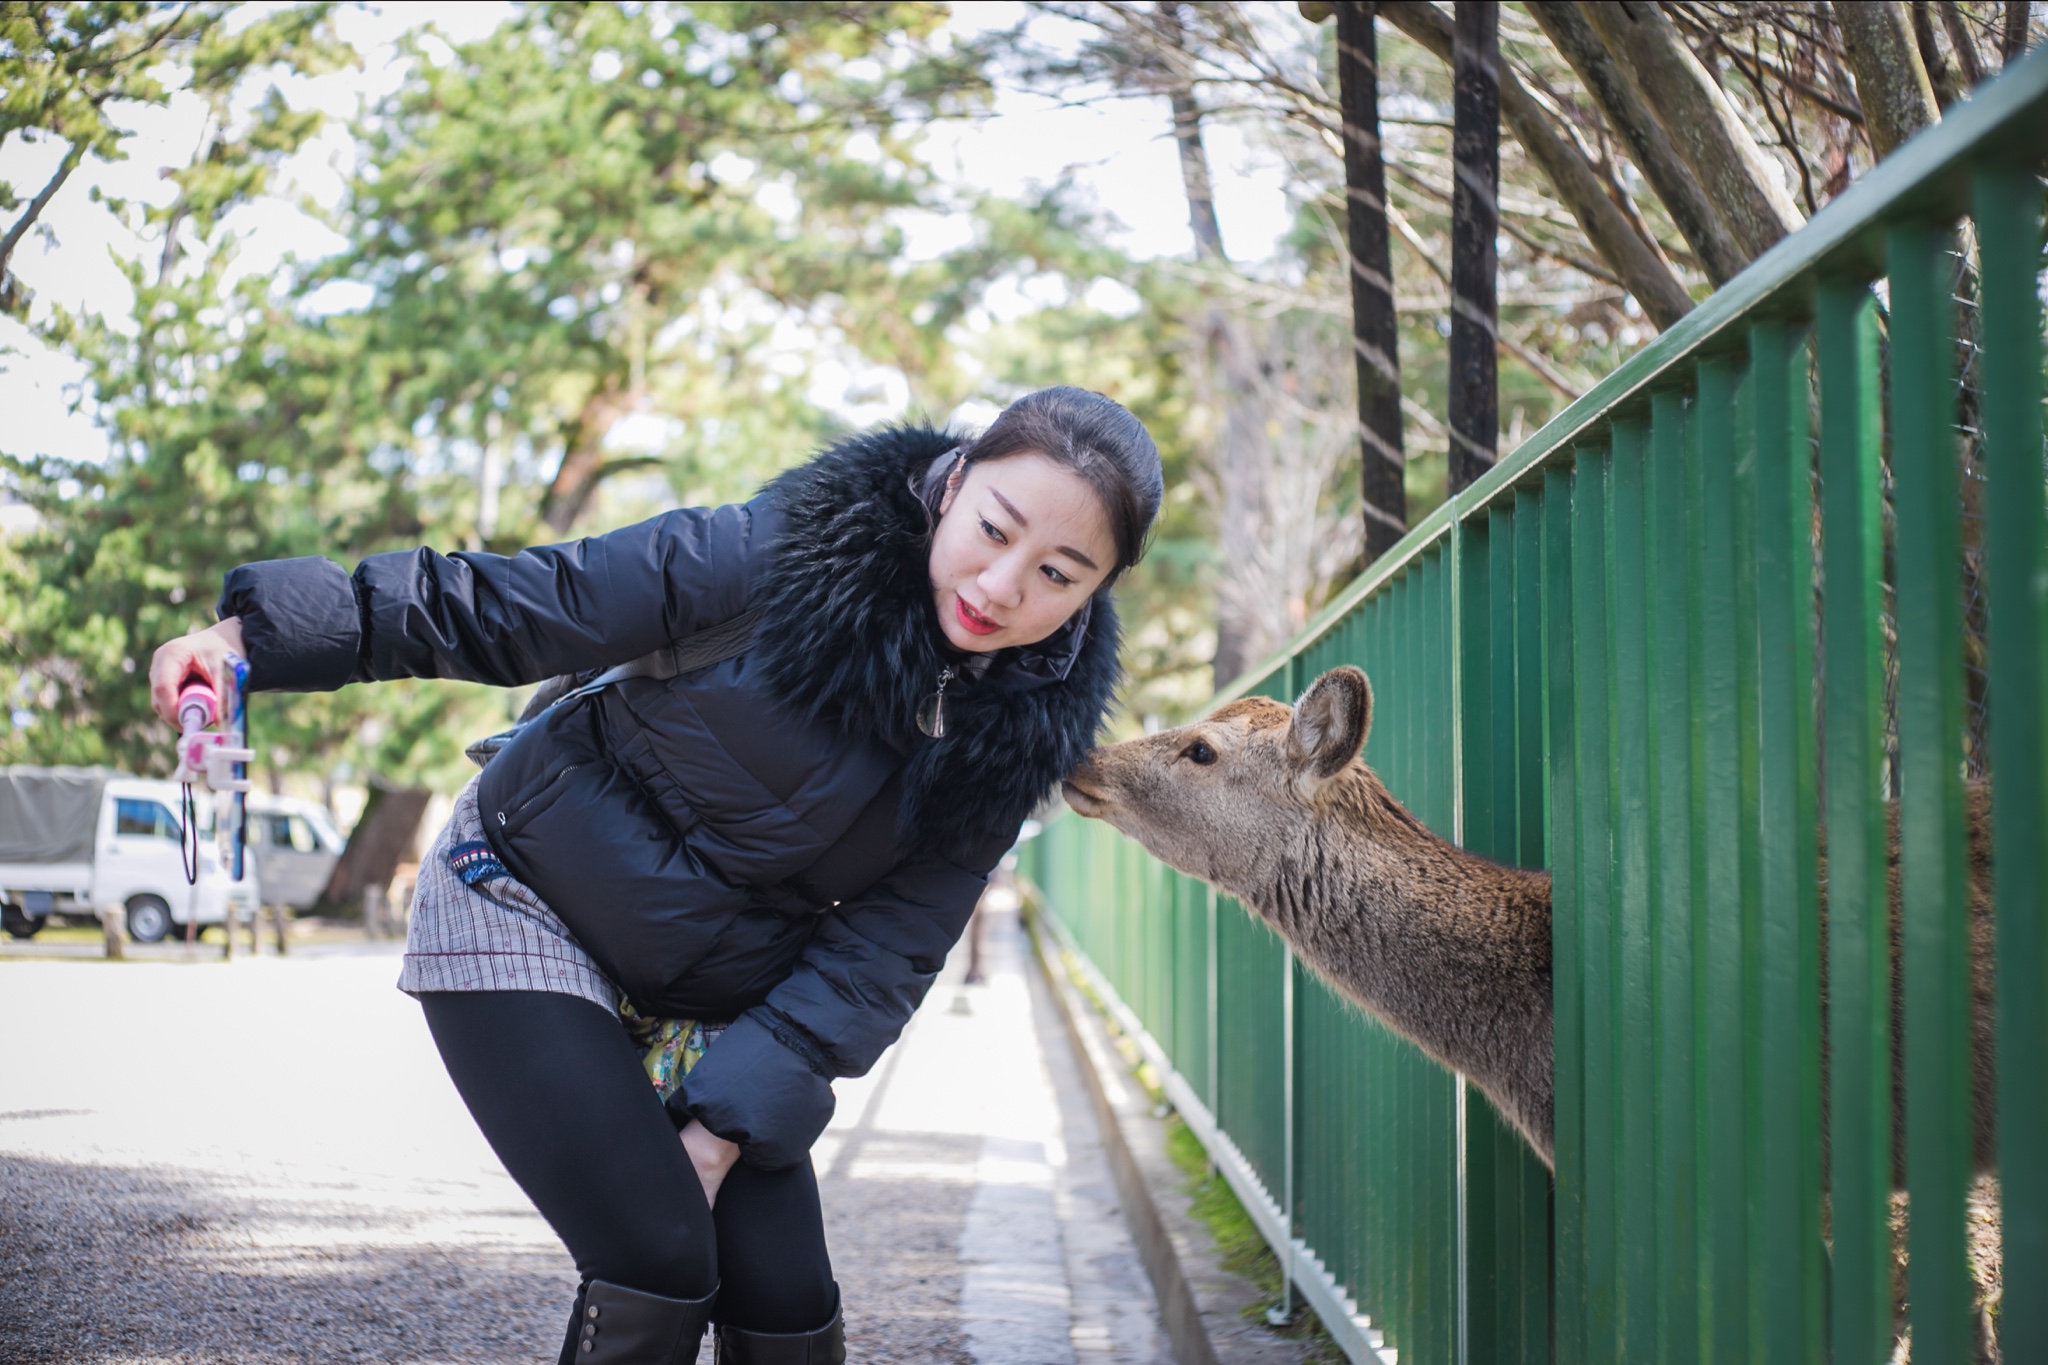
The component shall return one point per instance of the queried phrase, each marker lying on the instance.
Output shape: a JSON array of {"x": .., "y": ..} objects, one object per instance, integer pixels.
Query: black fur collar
[{"x": 849, "y": 630}]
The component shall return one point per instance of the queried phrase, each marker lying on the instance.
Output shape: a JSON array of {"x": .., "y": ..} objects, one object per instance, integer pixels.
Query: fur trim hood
[{"x": 849, "y": 631}]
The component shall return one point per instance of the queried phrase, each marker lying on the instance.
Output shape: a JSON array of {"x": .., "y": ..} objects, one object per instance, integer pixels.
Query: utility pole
[
  {"x": 1374, "y": 336},
  {"x": 1475, "y": 218}
]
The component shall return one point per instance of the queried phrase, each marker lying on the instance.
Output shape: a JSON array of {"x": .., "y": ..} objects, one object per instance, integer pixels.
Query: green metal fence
[{"x": 1726, "y": 601}]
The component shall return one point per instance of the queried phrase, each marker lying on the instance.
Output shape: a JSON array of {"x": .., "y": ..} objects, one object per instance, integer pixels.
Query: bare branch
[
  {"x": 1553, "y": 378},
  {"x": 1642, "y": 269},
  {"x": 35, "y": 208}
]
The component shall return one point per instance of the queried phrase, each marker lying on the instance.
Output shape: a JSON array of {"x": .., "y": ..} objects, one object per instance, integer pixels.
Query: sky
[{"x": 1120, "y": 154}]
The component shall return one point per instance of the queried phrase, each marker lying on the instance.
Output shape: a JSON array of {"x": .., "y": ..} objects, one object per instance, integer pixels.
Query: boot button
[
  {"x": 590, "y": 1312},
  {"x": 589, "y": 1345}
]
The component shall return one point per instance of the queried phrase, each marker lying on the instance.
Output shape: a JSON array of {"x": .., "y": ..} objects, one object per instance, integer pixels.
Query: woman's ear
[{"x": 953, "y": 479}]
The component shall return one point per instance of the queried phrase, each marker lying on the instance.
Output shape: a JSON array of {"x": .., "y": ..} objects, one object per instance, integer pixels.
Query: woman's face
[{"x": 1022, "y": 544}]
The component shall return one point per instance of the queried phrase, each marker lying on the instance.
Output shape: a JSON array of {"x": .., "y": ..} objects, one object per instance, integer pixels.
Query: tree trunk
[
  {"x": 384, "y": 837},
  {"x": 582, "y": 467},
  {"x": 1891, "y": 83},
  {"x": 1638, "y": 263},
  {"x": 1943, "y": 74},
  {"x": 1965, "y": 46},
  {"x": 1187, "y": 137},
  {"x": 1375, "y": 336},
  {"x": 1742, "y": 182},
  {"x": 1649, "y": 146},
  {"x": 1475, "y": 220},
  {"x": 2012, "y": 43},
  {"x": 1238, "y": 508}
]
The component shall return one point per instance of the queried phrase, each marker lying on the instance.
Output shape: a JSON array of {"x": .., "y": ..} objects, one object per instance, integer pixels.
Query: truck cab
[{"x": 73, "y": 840}]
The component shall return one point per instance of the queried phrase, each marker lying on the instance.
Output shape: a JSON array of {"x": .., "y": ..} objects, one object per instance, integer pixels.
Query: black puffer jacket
[{"x": 768, "y": 839}]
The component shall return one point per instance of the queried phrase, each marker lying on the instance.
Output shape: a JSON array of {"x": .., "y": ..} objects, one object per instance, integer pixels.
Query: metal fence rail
[{"x": 1716, "y": 608}]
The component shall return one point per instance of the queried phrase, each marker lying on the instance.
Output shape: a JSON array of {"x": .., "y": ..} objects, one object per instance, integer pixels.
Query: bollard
[
  {"x": 279, "y": 914},
  {"x": 114, "y": 928},
  {"x": 227, "y": 932},
  {"x": 255, "y": 922},
  {"x": 373, "y": 911}
]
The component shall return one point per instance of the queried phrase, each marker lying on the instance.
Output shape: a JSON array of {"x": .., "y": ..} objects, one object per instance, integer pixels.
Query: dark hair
[{"x": 1098, "y": 439}]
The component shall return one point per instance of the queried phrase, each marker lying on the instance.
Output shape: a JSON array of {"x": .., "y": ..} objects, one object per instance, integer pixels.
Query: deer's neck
[{"x": 1450, "y": 949}]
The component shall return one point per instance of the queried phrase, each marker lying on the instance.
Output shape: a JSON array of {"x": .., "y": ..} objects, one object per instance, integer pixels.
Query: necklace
[{"x": 931, "y": 713}]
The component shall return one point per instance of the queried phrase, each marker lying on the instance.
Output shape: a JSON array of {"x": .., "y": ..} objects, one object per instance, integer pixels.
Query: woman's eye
[
  {"x": 1056, "y": 576},
  {"x": 988, "y": 528},
  {"x": 1199, "y": 752}
]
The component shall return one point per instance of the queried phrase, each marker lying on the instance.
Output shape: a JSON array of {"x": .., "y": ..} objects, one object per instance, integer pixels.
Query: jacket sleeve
[
  {"x": 767, "y": 1082},
  {"x": 310, "y": 626}
]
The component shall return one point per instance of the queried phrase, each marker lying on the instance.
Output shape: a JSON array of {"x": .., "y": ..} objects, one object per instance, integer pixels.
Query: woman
[{"x": 785, "y": 842}]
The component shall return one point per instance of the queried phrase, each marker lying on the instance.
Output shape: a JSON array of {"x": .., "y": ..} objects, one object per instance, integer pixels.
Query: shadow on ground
[
  {"x": 109, "y": 1264},
  {"x": 118, "y": 1265}
]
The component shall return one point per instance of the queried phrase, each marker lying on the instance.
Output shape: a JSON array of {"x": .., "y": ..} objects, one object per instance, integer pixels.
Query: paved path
[{"x": 263, "y": 1162}]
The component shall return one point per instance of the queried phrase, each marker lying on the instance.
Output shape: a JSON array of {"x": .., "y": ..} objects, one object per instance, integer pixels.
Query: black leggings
[{"x": 558, "y": 1090}]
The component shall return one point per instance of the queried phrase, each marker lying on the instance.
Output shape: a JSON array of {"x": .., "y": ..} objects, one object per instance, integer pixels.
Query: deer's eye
[{"x": 1199, "y": 752}]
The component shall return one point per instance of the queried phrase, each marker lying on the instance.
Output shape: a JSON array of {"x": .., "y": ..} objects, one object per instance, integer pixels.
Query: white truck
[
  {"x": 74, "y": 840},
  {"x": 294, "y": 846}
]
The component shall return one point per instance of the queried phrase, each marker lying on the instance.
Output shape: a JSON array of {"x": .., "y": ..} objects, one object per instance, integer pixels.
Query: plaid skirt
[{"x": 476, "y": 927}]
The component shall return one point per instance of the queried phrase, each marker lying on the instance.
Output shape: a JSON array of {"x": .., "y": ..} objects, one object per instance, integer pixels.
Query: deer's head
[{"x": 1223, "y": 797}]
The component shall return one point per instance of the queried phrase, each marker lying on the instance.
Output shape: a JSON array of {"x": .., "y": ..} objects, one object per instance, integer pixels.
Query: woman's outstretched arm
[{"x": 311, "y": 626}]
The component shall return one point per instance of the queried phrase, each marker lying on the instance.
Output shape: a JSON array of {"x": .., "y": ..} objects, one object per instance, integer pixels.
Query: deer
[{"x": 1276, "y": 806}]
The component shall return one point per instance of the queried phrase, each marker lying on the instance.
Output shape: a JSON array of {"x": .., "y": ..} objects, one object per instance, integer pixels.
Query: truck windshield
[{"x": 143, "y": 819}]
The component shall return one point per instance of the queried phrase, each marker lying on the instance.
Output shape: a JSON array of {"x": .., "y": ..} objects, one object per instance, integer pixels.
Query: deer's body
[{"x": 1452, "y": 951}]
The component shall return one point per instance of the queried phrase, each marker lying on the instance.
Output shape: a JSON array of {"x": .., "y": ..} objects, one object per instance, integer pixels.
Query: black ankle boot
[
  {"x": 826, "y": 1346},
  {"x": 614, "y": 1325}
]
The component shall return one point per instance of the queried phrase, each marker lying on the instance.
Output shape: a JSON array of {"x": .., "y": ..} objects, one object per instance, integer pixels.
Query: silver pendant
[{"x": 931, "y": 712}]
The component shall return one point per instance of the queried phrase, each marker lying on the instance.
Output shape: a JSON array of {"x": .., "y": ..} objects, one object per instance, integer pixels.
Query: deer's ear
[{"x": 1330, "y": 722}]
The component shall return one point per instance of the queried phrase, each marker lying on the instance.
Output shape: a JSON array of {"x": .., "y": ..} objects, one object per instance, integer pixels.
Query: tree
[
  {"x": 1475, "y": 220},
  {"x": 63, "y": 67},
  {"x": 1375, "y": 327},
  {"x": 591, "y": 213}
]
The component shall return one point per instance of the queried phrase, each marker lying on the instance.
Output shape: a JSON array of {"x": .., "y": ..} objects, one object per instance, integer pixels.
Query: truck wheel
[
  {"x": 19, "y": 923},
  {"x": 149, "y": 919}
]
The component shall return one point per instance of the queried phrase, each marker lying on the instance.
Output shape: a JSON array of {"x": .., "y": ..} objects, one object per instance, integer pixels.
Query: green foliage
[
  {"x": 593, "y": 213},
  {"x": 604, "y": 211},
  {"x": 64, "y": 69}
]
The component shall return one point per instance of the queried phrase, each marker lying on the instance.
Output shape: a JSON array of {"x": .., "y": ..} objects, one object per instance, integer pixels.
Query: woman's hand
[
  {"x": 711, "y": 1154},
  {"x": 203, "y": 651}
]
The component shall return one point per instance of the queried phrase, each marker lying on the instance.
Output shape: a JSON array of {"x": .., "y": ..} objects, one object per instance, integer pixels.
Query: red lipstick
[{"x": 970, "y": 620}]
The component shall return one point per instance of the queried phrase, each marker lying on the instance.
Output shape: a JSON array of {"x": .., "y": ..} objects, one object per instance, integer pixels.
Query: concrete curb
[{"x": 1201, "y": 1305}]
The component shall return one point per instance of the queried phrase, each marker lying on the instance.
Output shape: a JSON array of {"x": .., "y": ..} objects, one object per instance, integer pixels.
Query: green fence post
[
  {"x": 1859, "y": 1039},
  {"x": 1532, "y": 691},
  {"x": 1936, "y": 929},
  {"x": 2008, "y": 215},
  {"x": 1720, "y": 995},
  {"x": 1568, "y": 1029},
  {"x": 1787, "y": 1288},
  {"x": 1634, "y": 1027},
  {"x": 1670, "y": 912},
  {"x": 1593, "y": 729},
  {"x": 1477, "y": 795},
  {"x": 1741, "y": 1338}
]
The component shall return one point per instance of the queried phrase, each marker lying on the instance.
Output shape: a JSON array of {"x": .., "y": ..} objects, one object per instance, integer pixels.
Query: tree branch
[
  {"x": 1891, "y": 83},
  {"x": 1692, "y": 212},
  {"x": 1642, "y": 270},
  {"x": 1741, "y": 182},
  {"x": 36, "y": 205},
  {"x": 1551, "y": 376}
]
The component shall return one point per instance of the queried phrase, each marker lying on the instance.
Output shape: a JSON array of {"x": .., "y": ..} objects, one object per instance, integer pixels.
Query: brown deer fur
[{"x": 1275, "y": 806}]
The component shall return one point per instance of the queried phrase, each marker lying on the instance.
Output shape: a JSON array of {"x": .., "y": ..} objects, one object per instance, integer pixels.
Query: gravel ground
[{"x": 263, "y": 1162}]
